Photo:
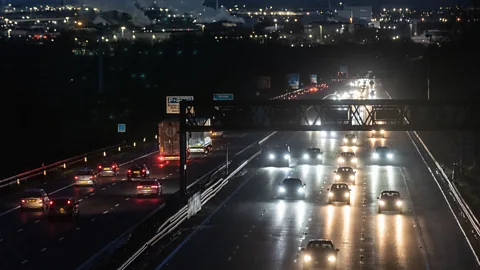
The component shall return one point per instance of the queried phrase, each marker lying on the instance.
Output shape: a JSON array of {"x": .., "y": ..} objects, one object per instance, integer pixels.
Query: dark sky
[{"x": 300, "y": 3}]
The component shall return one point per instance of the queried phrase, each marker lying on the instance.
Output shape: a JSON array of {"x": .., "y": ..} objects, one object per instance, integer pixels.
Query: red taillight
[
  {"x": 154, "y": 186},
  {"x": 23, "y": 201},
  {"x": 113, "y": 166},
  {"x": 143, "y": 170},
  {"x": 91, "y": 177},
  {"x": 68, "y": 202},
  {"x": 161, "y": 158},
  {"x": 139, "y": 187},
  {"x": 99, "y": 167},
  {"x": 51, "y": 202},
  {"x": 76, "y": 177},
  {"x": 40, "y": 199},
  {"x": 129, "y": 171}
]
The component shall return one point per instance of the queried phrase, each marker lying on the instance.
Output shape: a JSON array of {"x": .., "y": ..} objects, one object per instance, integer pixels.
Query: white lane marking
[
  {"x": 1, "y": 240},
  {"x": 67, "y": 186},
  {"x": 19, "y": 230},
  {"x": 170, "y": 174},
  {"x": 92, "y": 220},
  {"x": 37, "y": 221},
  {"x": 25, "y": 261},
  {"x": 126, "y": 199},
  {"x": 113, "y": 184},
  {"x": 103, "y": 188},
  {"x": 61, "y": 238},
  {"x": 116, "y": 205},
  {"x": 93, "y": 193},
  {"x": 77, "y": 229},
  {"x": 105, "y": 212},
  {"x": 79, "y": 200},
  {"x": 43, "y": 249}
]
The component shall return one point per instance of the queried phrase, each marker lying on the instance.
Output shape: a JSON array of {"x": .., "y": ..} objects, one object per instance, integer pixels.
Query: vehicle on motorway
[
  {"x": 108, "y": 169},
  {"x": 291, "y": 188},
  {"x": 350, "y": 139},
  {"x": 200, "y": 142},
  {"x": 63, "y": 207},
  {"x": 312, "y": 155},
  {"x": 390, "y": 200},
  {"x": 150, "y": 187},
  {"x": 345, "y": 174},
  {"x": 328, "y": 134},
  {"x": 85, "y": 177},
  {"x": 278, "y": 156},
  {"x": 377, "y": 133},
  {"x": 339, "y": 193},
  {"x": 348, "y": 159},
  {"x": 216, "y": 133},
  {"x": 138, "y": 172},
  {"x": 320, "y": 254},
  {"x": 34, "y": 198},
  {"x": 382, "y": 154}
]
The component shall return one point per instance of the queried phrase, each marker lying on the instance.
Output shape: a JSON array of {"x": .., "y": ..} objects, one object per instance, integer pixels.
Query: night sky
[{"x": 299, "y": 3}]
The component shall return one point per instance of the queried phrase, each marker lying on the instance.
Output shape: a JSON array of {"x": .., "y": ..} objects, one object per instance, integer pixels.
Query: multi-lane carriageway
[
  {"x": 29, "y": 241},
  {"x": 247, "y": 227}
]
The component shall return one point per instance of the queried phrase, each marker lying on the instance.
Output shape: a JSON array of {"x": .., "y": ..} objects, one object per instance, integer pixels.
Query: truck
[
  {"x": 200, "y": 142},
  {"x": 169, "y": 141}
]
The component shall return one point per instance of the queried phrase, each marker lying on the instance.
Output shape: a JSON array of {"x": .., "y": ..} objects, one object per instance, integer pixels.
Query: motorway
[
  {"x": 250, "y": 228},
  {"x": 29, "y": 240}
]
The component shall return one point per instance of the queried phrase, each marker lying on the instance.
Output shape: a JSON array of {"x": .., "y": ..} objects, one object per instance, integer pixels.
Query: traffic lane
[
  {"x": 446, "y": 245},
  {"x": 15, "y": 220},
  {"x": 54, "y": 182},
  {"x": 94, "y": 211}
]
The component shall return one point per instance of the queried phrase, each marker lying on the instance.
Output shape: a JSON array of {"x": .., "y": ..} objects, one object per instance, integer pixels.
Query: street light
[{"x": 123, "y": 31}]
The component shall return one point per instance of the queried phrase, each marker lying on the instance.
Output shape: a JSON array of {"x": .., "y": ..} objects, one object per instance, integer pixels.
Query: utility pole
[
  {"x": 100, "y": 64},
  {"x": 217, "y": 4},
  {"x": 227, "y": 158},
  {"x": 429, "y": 36}
]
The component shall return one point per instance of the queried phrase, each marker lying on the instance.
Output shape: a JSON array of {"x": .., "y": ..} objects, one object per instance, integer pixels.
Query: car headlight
[
  {"x": 382, "y": 131},
  {"x": 307, "y": 258},
  {"x": 347, "y": 194},
  {"x": 337, "y": 177},
  {"x": 323, "y": 133},
  {"x": 333, "y": 133},
  {"x": 301, "y": 190},
  {"x": 373, "y": 131},
  {"x": 352, "y": 177},
  {"x": 390, "y": 155},
  {"x": 345, "y": 140},
  {"x": 319, "y": 156},
  {"x": 375, "y": 155},
  {"x": 287, "y": 156},
  {"x": 354, "y": 140},
  {"x": 305, "y": 156},
  {"x": 341, "y": 160},
  {"x": 381, "y": 202},
  {"x": 331, "y": 258},
  {"x": 354, "y": 160},
  {"x": 281, "y": 189},
  {"x": 330, "y": 194},
  {"x": 271, "y": 156},
  {"x": 399, "y": 203}
]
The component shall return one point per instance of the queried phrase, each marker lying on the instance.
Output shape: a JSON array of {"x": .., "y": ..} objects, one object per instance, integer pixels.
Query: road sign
[
  {"x": 294, "y": 81},
  {"x": 122, "y": 128},
  {"x": 173, "y": 103},
  {"x": 222, "y": 96}
]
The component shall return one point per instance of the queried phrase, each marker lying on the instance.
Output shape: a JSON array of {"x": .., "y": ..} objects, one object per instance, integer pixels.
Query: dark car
[
  {"x": 291, "y": 188},
  {"x": 345, "y": 174},
  {"x": 138, "y": 172},
  {"x": 320, "y": 254},
  {"x": 34, "y": 198},
  {"x": 383, "y": 154},
  {"x": 278, "y": 156},
  {"x": 390, "y": 200},
  {"x": 63, "y": 207},
  {"x": 339, "y": 193},
  {"x": 108, "y": 169},
  {"x": 312, "y": 155},
  {"x": 149, "y": 188}
]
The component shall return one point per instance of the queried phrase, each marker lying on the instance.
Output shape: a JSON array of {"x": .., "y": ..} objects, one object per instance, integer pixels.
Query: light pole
[
  {"x": 123, "y": 32},
  {"x": 429, "y": 36},
  {"x": 227, "y": 158}
]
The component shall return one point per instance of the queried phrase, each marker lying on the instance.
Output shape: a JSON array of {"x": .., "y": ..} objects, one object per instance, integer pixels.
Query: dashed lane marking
[
  {"x": 25, "y": 261},
  {"x": 43, "y": 249},
  {"x": 19, "y": 230},
  {"x": 37, "y": 221},
  {"x": 116, "y": 205},
  {"x": 61, "y": 238},
  {"x": 105, "y": 212}
]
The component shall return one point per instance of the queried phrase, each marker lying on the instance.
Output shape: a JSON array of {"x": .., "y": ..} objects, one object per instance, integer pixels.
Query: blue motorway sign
[
  {"x": 222, "y": 96},
  {"x": 294, "y": 80},
  {"x": 121, "y": 127}
]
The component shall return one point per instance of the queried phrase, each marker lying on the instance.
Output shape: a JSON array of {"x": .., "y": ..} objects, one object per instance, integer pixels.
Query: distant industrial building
[{"x": 358, "y": 14}]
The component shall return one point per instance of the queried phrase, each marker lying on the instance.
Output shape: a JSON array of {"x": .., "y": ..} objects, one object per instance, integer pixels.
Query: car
[
  {"x": 34, "y": 198},
  {"x": 138, "y": 172},
  {"x": 350, "y": 139},
  {"x": 382, "y": 153},
  {"x": 345, "y": 174},
  {"x": 85, "y": 177},
  {"x": 216, "y": 134},
  {"x": 312, "y": 155},
  {"x": 377, "y": 133},
  {"x": 320, "y": 254},
  {"x": 108, "y": 169},
  {"x": 348, "y": 159},
  {"x": 149, "y": 187},
  {"x": 390, "y": 200},
  {"x": 339, "y": 193},
  {"x": 278, "y": 156},
  {"x": 63, "y": 207},
  {"x": 291, "y": 188}
]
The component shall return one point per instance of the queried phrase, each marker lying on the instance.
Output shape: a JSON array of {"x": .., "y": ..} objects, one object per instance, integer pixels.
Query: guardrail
[
  {"x": 43, "y": 170},
  {"x": 178, "y": 218}
]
